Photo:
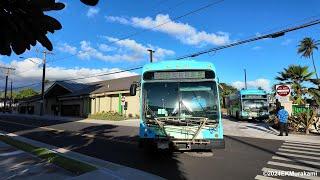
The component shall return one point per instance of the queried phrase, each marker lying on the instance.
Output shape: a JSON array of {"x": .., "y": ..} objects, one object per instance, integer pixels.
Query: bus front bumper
[
  {"x": 199, "y": 144},
  {"x": 185, "y": 144}
]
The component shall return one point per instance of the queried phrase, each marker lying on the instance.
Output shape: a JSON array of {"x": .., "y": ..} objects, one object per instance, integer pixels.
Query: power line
[
  {"x": 154, "y": 27},
  {"x": 271, "y": 35}
]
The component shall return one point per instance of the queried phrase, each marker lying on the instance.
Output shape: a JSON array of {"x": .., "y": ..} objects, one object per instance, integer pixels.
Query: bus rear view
[{"x": 180, "y": 106}]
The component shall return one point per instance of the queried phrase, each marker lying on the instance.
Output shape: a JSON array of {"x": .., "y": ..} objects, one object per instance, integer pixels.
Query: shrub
[
  {"x": 113, "y": 116},
  {"x": 303, "y": 121}
]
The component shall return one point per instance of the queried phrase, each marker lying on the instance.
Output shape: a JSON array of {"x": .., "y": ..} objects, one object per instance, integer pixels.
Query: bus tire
[{"x": 237, "y": 115}]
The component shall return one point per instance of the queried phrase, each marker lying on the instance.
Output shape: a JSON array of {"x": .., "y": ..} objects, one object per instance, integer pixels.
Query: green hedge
[{"x": 112, "y": 116}]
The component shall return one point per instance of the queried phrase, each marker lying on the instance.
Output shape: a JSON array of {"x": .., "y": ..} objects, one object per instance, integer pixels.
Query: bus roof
[
  {"x": 178, "y": 64},
  {"x": 252, "y": 91}
]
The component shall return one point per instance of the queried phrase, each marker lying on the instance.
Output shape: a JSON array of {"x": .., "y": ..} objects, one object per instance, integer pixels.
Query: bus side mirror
[{"x": 133, "y": 89}]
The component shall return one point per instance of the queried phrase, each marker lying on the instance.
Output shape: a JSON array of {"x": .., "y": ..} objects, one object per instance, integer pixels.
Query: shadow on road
[{"x": 108, "y": 142}]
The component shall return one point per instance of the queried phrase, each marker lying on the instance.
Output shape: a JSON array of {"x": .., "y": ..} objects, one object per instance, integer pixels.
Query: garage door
[{"x": 70, "y": 110}]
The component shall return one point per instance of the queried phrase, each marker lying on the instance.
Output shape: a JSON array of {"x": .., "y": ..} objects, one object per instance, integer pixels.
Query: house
[{"x": 65, "y": 98}]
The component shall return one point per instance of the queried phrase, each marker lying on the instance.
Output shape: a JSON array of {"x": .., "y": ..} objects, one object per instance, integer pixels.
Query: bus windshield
[
  {"x": 181, "y": 100},
  {"x": 255, "y": 104}
]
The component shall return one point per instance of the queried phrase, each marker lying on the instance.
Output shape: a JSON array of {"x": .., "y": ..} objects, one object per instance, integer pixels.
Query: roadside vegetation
[
  {"x": 25, "y": 93},
  {"x": 71, "y": 165},
  {"x": 305, "y": 89},
  {"x": 112, "y": 116}
]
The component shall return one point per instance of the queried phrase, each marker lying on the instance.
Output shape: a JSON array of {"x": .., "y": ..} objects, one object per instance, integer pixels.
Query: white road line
[
  {"x": 298, "y": 155},
  {"x": 296, "y": 151},
  {"x": 301, "y": 145},
  {"x": 304, "y": 143},
  {"x": 296, "y": 160},
  {"x": 293, "y": 166},
  {"x": 259, "y": 177},
  {"x": 11, "y": 153},
  {"x": 304, "y": 177},
  {"x": 301, "y": 148}
]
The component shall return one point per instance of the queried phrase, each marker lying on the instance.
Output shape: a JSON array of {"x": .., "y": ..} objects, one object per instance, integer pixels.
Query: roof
[
  {"x": 178, "y": 64},
  {"x": 111, "y": 85}
]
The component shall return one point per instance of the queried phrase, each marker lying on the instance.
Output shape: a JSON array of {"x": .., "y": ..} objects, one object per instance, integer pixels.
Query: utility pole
[
  {"x": 8, "y": 69},
  {"x": 245, "y": 78},
  {"x": 44, "y": 61},
  {"x": 151, "y": 54},
  {"x": 10, "y": 96}
]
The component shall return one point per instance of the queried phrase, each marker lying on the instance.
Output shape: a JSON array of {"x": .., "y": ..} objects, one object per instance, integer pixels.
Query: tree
[
  {"x": 306, "y": 48},
  {"x": 225, "y": 91},
  {"x": 23, "y": 23},
  {"x": 25, "y": 93},
  {"x": 296, "y": 76}
]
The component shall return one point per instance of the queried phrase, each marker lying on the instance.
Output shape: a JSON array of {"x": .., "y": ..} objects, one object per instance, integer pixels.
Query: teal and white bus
[
  {"x": 180, "y": 106},
  {"x": 248, "y": 104}
]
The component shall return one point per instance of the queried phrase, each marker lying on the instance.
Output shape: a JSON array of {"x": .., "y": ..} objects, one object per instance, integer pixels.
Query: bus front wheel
[{"x": 237, "y": 114}]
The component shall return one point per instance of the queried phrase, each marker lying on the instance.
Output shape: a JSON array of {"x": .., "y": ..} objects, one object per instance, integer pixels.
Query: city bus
[
  {"x": 249, "y": 104},
  {"x": 179, "y": 106}
]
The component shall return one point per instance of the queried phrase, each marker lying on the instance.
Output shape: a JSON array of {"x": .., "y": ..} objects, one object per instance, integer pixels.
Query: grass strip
[{"x": 69, "y": 164}]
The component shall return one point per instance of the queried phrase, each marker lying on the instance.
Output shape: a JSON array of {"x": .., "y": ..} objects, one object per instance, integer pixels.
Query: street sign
[
  {"x": 283, "y": 93},
  {"x": 283, "y": 90}
]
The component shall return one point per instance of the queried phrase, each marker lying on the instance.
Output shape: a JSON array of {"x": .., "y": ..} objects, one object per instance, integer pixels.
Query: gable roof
[{"x": 111, "y": 85}]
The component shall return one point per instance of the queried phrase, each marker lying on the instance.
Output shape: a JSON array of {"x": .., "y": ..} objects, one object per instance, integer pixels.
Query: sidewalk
[
  {"x": 106, "y": 170},
  {"x": 44, "y": 117},
  {"x": 128, "y": 122},
  {"x": 262, "y": 131},
  {"x": 17, "y": 164}
]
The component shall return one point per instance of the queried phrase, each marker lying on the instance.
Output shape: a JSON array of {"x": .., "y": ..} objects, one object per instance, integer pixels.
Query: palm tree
[
  {"x": 296, "y": 75},
  {"x": 306, "y": 48}
]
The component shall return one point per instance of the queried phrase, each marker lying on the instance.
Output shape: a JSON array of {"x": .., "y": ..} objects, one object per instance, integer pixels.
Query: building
[{"x": 65, "y": 98}]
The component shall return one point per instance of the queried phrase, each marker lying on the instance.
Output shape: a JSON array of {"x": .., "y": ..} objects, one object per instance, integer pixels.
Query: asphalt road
[{"x": 243, "y": 158}]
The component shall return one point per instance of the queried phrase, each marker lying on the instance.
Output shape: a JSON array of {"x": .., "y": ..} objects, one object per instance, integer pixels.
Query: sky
[{"x": 115, "y": 35}]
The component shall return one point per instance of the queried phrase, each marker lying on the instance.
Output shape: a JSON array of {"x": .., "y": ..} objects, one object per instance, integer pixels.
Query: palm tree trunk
[{"x": 314, "y": 67}]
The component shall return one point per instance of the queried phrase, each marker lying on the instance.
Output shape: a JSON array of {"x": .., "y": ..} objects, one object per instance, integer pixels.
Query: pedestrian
[
  {"x": 278, "y": 106},
  {"x": 283, "y": 120}
]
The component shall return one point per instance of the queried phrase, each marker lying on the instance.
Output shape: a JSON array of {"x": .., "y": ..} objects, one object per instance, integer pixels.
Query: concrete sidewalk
[
  {"x": 106, "y": 170},
  {"x": 262, "y": 131},
  {"x": 17, "y": 164},
  {"x": 128, "y": 122}
]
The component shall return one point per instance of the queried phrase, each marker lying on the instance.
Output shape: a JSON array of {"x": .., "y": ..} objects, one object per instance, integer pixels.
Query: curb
[{"x": 106, "y": 170}]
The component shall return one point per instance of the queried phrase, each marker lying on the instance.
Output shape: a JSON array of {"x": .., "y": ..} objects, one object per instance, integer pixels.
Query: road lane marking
[
  {"x": 298, "y": 155},
  {"x": 277, "y": 170},
  {"x": 296, "y": 160},
  {"x": 301, "y": 145},
  {"x": 293, "y": 166},
  {"x": 301, "y": 148},
  {"x": 11, "y": 153},
  {"x": 296, "y": 151},
  {"x": 304, "y": 143},
  {"x": 259, "y": 177}
]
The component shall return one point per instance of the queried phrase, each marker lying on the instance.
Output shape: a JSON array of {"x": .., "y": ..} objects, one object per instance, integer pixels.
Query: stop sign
[{"x": 283, "y": 90}]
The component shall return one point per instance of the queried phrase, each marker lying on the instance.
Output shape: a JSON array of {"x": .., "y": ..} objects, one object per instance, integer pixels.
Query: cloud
[
  {"x": 256, "y": 48},
  {"x": 286, "y": 42},
  {"x": 92, "y": 11},
  {"x": 106, "y": 48},
  {"x": 65, "y": 47},
  {"x": 120, "y": 20},
  {"x": 263, "y": 83},
  {"x": 29, "y": 71},
  {"x": 184, "y": 32},
  {"x": 121, "y": 50}
]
